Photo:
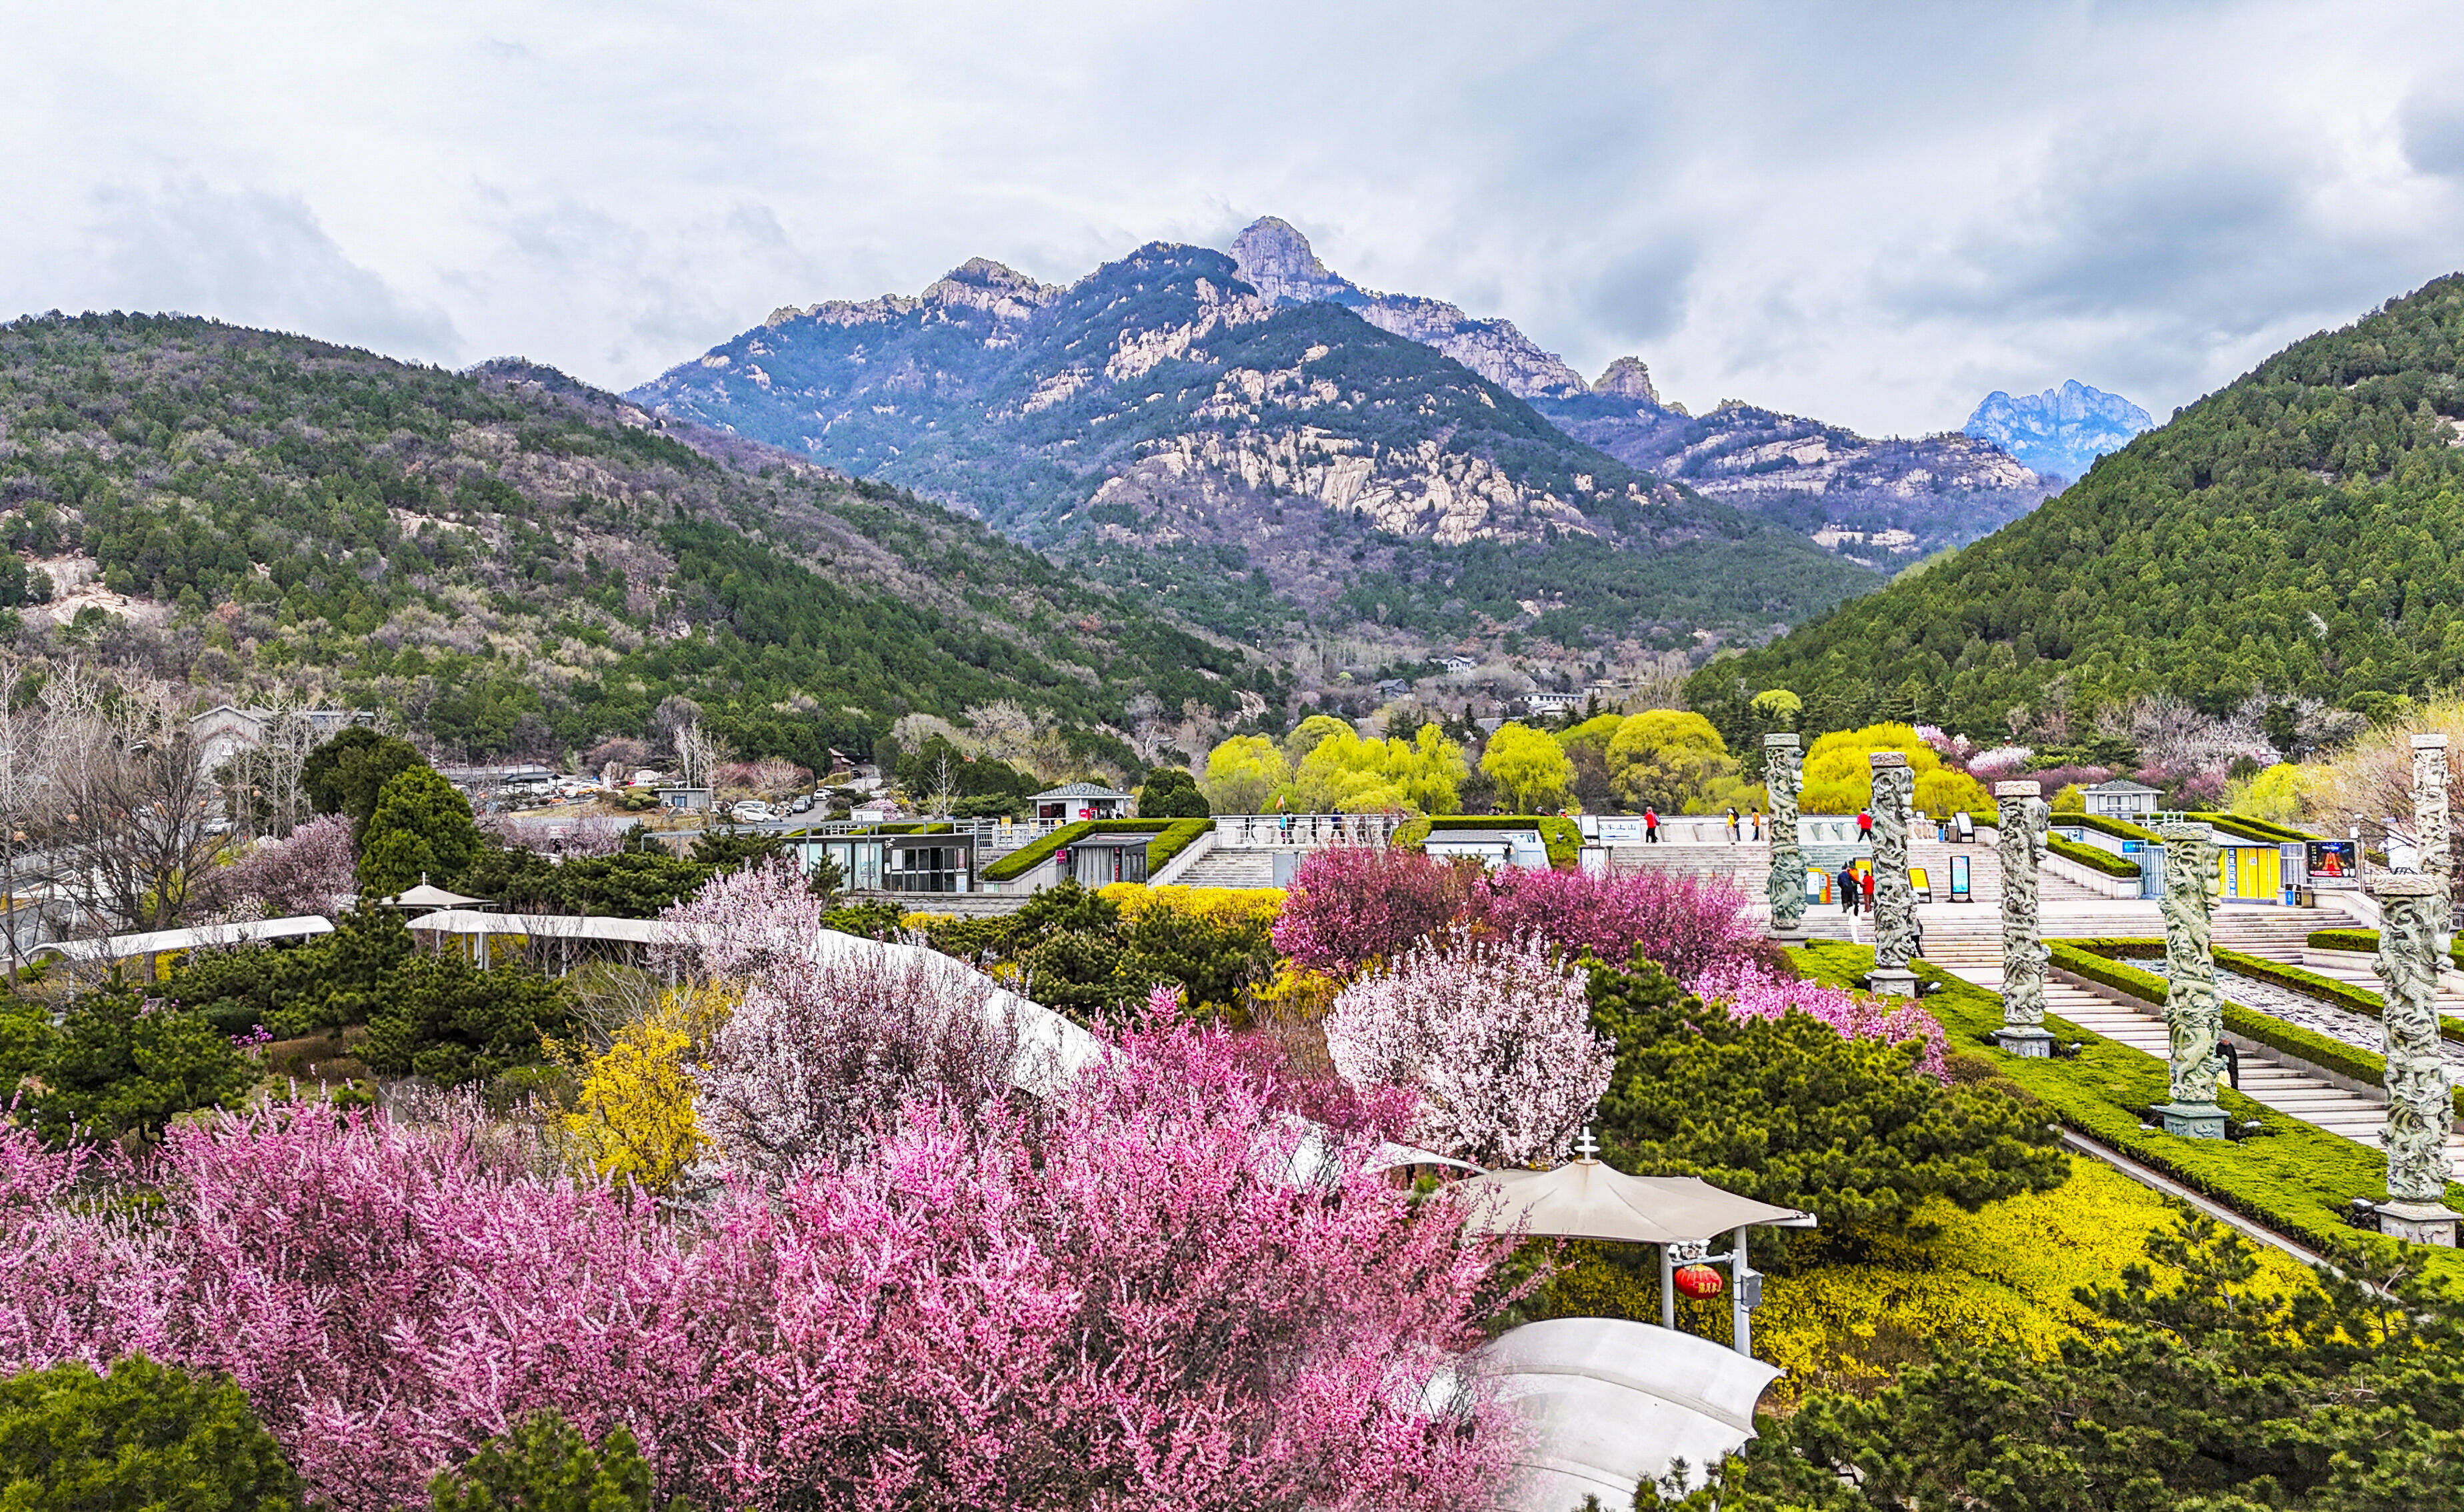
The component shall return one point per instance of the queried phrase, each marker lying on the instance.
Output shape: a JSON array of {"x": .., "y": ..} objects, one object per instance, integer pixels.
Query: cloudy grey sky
[{"x": 1872, "y": 213}]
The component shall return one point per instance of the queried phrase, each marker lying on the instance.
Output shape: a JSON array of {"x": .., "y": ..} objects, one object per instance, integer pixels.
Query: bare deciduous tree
[
  {"x": 699, "y": 751},
  {"x": 130, "y": 823}
]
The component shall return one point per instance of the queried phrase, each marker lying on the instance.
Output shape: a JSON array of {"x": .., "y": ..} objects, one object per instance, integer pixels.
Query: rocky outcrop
[
  {"x": 1277, "y": 261},
  {"x": 1627, "y": 378},
  {"x": 2060, "y": 430}
]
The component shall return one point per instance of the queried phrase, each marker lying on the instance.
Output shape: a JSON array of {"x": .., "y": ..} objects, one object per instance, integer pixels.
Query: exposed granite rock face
[
  {"x": 1277, "y": 261},
  {"x": 2412, "y": 913},
  {"x": 1627, "y": 378},
  {"x": 2060, "y": 431},
  {"x": 2193, "y": 1013}
]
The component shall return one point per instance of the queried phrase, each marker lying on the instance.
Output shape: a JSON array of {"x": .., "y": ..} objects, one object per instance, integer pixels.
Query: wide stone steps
[
  {"x": 2341, "y": 966},
  {"x": 2293, "y": 1093},
  {"x": 1231, "y": 868}
]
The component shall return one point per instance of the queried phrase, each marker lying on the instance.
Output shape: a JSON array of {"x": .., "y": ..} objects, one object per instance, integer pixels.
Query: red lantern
[{"x": 1698, "y": 1281}]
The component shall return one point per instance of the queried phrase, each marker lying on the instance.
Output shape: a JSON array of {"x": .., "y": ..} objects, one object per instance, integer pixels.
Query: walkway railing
[{"x": 1303, "y": 831}]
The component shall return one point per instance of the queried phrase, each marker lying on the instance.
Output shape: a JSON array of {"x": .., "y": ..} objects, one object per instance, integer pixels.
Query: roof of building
[
  {"x": 554, "y": 927},
  {"x": 205, "y": 937},
  {"x": 2122, "y": 784},
  {"x": 1082, "y": 790}
]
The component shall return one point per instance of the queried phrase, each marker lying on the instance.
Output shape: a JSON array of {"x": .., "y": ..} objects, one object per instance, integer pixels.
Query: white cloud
[{"x": 1872, "y": 215}]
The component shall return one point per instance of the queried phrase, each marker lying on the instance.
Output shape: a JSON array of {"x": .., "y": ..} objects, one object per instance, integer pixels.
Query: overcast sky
[{"x": 1873, "y": 214}]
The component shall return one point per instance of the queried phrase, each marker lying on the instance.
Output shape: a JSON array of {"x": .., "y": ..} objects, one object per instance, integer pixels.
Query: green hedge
[
  {"x": 2292, "y": 979},
  {"x": 1563, "y": 837},
  {"x": 2293, "y": 1178},
  {"x": 2093, "y": 857},
  {"x": 2119, "y": 828},
  {"x": 2367, "y": 942},
  {"x": 1177, "y": 836},
  {"x": 2248, "y": 828},
  {"x": 1026, "y": 857}
]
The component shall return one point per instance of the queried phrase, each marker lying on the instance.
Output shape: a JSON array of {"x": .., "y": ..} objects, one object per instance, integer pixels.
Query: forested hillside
[
  {"x": 2295, "y": 533},
  {"x": 512, "y": 563}
]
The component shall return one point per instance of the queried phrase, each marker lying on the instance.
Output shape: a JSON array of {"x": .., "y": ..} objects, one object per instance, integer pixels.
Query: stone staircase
[
  {"x": 2295, "y": 1094},
  {"x": 1231, "y": 868}
]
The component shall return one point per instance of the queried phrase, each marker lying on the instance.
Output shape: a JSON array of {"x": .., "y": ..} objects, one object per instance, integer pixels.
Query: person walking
[
  {"x": 1733, "y": 823},
  {"x": 1865, "y": 825},
  {"x": 1847, "y": 884},
  {"x": 1868, "y": 881},
  {"x": 1758, "y": 823},
  {"x": 1650, "y": 825}
]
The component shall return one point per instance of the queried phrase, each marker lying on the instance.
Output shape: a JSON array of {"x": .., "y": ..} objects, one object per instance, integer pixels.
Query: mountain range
[
  {"x": 1266, "y": 447},
  {"x": 2290, "y": 537},
  {"x": 2062, "y": 431}
]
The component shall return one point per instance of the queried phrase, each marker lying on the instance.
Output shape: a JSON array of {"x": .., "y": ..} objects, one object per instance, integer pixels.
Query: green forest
[
  {"x": 518, "y": 564},
  {"x": 2291, "y": 533}
]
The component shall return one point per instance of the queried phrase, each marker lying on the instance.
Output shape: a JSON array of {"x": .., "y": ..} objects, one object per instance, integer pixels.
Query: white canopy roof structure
[
  {"x": 552, "y": 926},
  {"x": 1610, "y": 1404},
  {"x": 1584, "y": 1199},
  {"x": 205, "y": 937},
  {"x": 427, "y": 897},
  {"x": 1052, "y": 1050}
]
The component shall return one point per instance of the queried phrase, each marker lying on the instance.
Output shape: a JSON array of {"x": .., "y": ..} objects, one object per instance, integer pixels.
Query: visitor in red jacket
[
  {"x": 1868, "y": 885},
  {"x": 1651, "y": 825}
]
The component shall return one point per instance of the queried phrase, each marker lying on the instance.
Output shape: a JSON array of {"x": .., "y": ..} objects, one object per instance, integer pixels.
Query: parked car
[
  {"x": 803, "y": 804},
  {"x": 752, "y": 811}
]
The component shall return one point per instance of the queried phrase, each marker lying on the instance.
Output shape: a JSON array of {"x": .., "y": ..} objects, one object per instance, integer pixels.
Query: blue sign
[{"x": 1958, "y": 878}]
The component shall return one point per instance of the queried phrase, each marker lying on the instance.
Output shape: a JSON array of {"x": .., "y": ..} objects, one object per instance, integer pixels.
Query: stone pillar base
[
  {"x": 2417, "y": 1222},
  {"x": 1787, "y": 933},
  {"x": 2193, "y": 1119},
  {"x": 2031, "y": 1041},
  {"x": 1894, "y": 981}
]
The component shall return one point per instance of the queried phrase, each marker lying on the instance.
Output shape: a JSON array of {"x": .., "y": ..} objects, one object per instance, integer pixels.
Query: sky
[{"x": 1874, "y": 214}]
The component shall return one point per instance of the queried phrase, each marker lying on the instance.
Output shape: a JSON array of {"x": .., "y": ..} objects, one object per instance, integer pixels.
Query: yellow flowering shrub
[
  {"x": 1223, "y": 905},
  {"x": 2004, "y": 1274},
  {"x": 633, "y": 1116}
]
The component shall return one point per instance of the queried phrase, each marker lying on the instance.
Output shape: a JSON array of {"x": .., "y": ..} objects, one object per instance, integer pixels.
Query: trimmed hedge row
[
  {"x": 2103, "y": 824},
  {"x": 2292, "y": 979},
  {"x": 1176, "y": 837},
  {"x": 1026, "y": 857},
  {"x": 2248, "y": 828},
  {"x": 2292, "y": 1176},
  {"x": 2093, "y": 857},
  {"x": 2318, "y": 1049}
]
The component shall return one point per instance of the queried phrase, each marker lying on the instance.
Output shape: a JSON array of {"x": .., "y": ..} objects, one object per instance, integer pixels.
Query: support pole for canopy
[
  {"x": 1743, "y": 1318},
  {"x": 1667, "y": 1290}
]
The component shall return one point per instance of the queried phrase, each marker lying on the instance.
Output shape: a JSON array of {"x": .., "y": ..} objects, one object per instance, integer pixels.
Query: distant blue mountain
[{"x": 2062, "y": 429}]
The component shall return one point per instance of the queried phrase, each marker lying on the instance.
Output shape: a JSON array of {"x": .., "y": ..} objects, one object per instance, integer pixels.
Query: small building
[
  {"x": 1072, "y": 802},
  {"x": 1098, "y": 858},
  {"x": 685, "y": 799},
  {"x": 1392, "y": 688},
  {"x": 914, "y": 861},
  {"x": 1458, "y": 665},
  {"x": 226, "y": 730},
  {"x": 2121, "y": 799},
  {"x": 1555, "y": 703},
  {"x": 1494, "y": 848}
]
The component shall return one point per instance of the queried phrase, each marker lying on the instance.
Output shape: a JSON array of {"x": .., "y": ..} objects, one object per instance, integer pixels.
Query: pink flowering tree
[
  {"x": 1686, "y": 924},
  {"x": 817, "y": 1059},
  {"x": 309, "y": 871},
  {"x": 1122, "y": 1300},
  {"x": 747, "y": 921},
  {"x": 1747, "y": 990},
  {"x": 1494, "y": 1037},
  {"x": 1353, "y": 904}
]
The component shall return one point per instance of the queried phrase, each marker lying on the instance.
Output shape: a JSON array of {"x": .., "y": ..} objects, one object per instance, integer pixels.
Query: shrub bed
[
  {"x": 2119, "y": 828},
  {"x": 2248, "y": 828},
  {"x": 2318, "y": 1049},
  {"x": 2292, "y": 1176},
  {"x": 2366, "y": 942},
  {"x": 2092, "y": 857},
  {"x": 2292, "y": 979},
  {"x": 1177, "y": 836}
]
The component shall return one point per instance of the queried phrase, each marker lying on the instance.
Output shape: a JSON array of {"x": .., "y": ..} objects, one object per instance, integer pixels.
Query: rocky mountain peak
[
  {"x": 2060, "y": 430},
  {"x": 1627, "y": 378},
  {"x": 1277, "y": 261}
]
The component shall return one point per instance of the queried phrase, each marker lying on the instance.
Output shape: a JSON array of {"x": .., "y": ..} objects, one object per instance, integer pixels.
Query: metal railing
[{"x": 1303, "y": 831}]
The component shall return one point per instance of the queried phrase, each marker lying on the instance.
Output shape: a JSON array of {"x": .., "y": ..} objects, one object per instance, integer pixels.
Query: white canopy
[
  {"x": 1610, "y": 1404},
  {"x": 1584, "y": 1199},
  {"x": 205, "y": 937},
  {"x": 425, "y": 896}
]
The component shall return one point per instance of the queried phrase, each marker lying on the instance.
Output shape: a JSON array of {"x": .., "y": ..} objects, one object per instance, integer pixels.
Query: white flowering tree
[{"x": 1495, "y": 1039}]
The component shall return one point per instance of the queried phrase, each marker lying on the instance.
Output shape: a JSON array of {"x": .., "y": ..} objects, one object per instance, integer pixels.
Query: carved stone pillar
[
  {"x": 2024, "y": 821},
  {"x": 1895, "y": 900},
  {"x": 2412, "y": 916},
  {"x": 2429, "y": 817},
  {"x": 2193, "y": 1013},
  {"x": 1784, "y": 778}
]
